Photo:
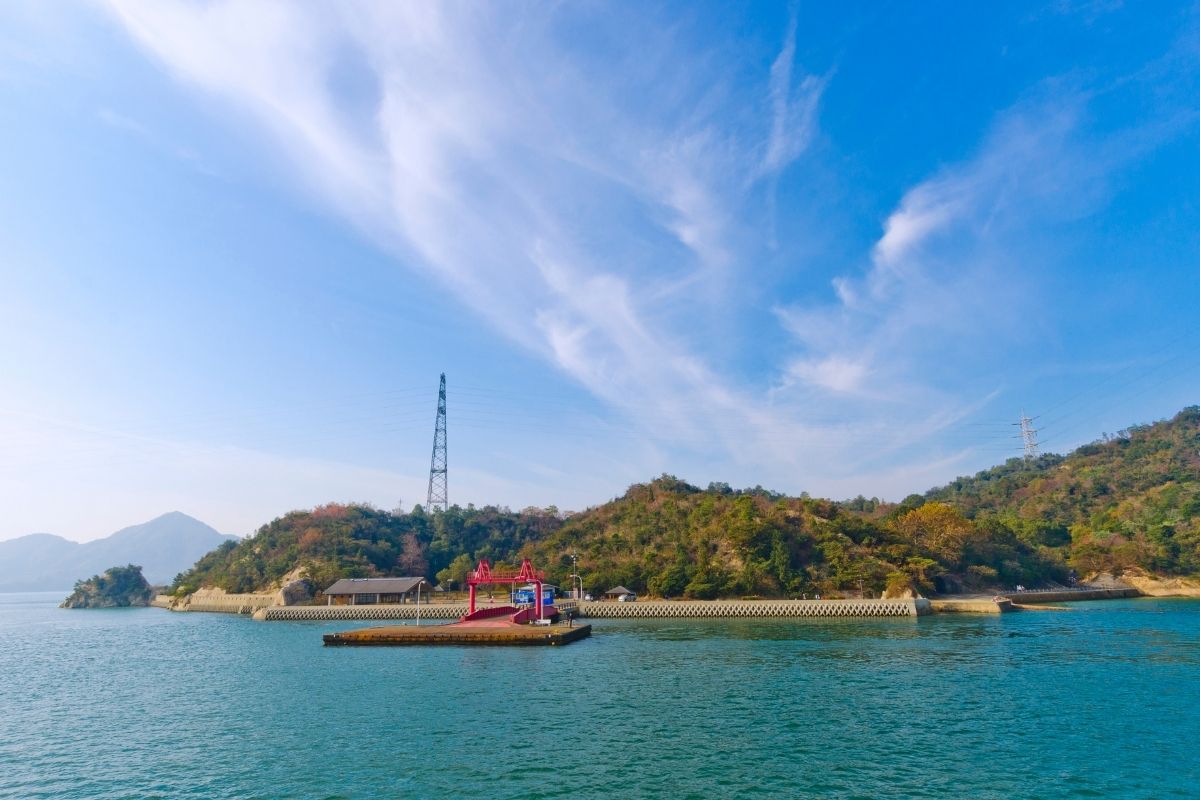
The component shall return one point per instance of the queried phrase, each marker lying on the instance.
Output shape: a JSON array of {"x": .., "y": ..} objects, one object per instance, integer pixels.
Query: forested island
[
  {"x": 117, "y": 587},
  {"x": 1130, "y": 502}
]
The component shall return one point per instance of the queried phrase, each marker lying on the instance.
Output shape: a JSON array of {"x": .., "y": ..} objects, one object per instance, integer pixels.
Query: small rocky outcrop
[
  {"x": 118, "y": 587},
  {"x": 296, "y": 592},
  {"x": 899, "y": 587}
]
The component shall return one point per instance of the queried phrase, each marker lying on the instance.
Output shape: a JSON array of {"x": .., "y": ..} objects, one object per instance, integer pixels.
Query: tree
[
  {"x": 455, "y": 574},
  {"x": 938, "y": 529}
]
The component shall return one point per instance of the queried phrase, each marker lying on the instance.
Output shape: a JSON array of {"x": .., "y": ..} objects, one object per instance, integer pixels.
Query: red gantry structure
[
  {"x": 499, "y": 625},
  {"x": 483, "y": 575}
]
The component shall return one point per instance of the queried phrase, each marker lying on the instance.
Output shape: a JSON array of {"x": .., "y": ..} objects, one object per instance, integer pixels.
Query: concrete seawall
[
  {"x": 998, "y": 605},
  {"x": 1003, "y": 604},
  {"x": 217, "y": 601},
  {"x": 380, "y": 612},
  {"x": 756, "y": 608},
  {"x": 268, "y": 607},
  {"x": 1070, "y": 595},
  {"x": 654, "y": 609}
]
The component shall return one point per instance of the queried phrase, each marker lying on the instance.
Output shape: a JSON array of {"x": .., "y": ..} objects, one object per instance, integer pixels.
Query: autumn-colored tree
[{"x": 938, "y": 529}]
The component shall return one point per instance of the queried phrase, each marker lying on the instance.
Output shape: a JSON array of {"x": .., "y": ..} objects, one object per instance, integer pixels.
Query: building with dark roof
[{"x": 370, "y": 591}]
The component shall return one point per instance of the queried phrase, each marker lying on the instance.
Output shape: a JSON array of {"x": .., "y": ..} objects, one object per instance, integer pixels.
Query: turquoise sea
[{"x": 1099, "y": 701}]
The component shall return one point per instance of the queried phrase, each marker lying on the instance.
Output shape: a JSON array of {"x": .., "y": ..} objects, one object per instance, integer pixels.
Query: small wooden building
[
  {"x": 617, "y": 592},
  {"x": 371, "y": 591}
]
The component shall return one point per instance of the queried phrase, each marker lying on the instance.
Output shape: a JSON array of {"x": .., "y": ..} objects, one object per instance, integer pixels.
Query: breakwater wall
[
  {"x": 267, "y": 607},
  {"x": 217, "y": 601},
  {"x": 756, "y": 608},
  {"x": 654, "y": 609},
  {"x": 1069, "y": 595},
  {"x": 379, "y": 612},
  {"x": 998, "y": 605}
]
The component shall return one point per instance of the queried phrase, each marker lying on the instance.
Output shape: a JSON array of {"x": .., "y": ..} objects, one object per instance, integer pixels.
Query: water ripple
[{"x": 1099, "y": 701}]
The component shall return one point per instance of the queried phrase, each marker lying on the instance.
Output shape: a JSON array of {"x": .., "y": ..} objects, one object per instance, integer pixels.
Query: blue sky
[{"x": 834, "y": 250}]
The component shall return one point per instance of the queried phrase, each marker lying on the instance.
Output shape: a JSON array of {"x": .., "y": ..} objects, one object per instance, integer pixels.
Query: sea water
[{"x": 1098, "y": 701}]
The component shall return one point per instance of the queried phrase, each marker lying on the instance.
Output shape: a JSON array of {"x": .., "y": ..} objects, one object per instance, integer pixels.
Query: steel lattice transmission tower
[
  {"x": 437, "y": 497},
  {"x": 1028, "y": 437}
]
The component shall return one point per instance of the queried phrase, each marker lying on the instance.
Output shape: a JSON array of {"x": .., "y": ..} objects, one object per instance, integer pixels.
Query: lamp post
[{"x": 419, "y": 602}]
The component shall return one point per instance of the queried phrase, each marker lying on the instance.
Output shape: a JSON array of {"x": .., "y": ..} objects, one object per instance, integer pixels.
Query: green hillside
[
  {"x": 357, "y": 541},
  {"x": 666, "y": 537},
  {"x": 1131, "y": 501},
  {"x": 674, "y": 539}
]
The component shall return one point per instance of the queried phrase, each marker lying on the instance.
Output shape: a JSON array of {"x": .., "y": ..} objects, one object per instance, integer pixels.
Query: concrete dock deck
[{"x": 486, "y": 632}]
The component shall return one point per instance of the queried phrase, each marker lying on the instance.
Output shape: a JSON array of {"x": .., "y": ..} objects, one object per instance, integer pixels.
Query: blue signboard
[{"x": 525, "y": 596}]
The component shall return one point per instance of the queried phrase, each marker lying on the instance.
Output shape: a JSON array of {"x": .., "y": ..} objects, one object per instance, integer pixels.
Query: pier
[
  {"x": 468, "y": 633},
  {"x": 535, "y": 623}
]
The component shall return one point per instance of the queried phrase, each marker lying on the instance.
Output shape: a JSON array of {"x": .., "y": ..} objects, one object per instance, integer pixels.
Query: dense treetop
[{"x": 1129, "y": 501}]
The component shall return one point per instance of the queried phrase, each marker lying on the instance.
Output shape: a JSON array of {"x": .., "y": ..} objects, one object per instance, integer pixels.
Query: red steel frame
[{"x": 483, "y": 575}]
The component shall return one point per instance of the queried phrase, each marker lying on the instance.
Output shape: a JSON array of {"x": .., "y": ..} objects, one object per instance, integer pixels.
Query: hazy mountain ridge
[{"x": 163, "y": 547}]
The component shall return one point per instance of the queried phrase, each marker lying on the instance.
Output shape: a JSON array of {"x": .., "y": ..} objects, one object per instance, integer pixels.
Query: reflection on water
[{"x": 1099, "y": 700}]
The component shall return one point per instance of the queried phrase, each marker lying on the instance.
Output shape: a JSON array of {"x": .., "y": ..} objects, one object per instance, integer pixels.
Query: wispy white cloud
[
  {"x": 835, "y": 373},
  {"x": 953, "y": 279},
  {"x": 483, "y": 143},
  {"x": 1030, "y": 160},
  {"x": 793, "y": 108},
  {"x": 947, "y": 265},
  {"x": 592, "y": 214}
]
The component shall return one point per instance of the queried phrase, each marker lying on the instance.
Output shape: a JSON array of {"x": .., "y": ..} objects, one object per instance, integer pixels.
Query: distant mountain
[{"x": 163, "y": 547}]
